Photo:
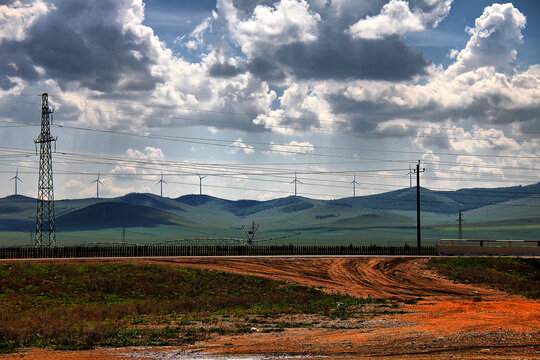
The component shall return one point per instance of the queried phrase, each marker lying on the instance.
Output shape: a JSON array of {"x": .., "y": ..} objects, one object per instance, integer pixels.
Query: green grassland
[
  {"x": 74, "y": 306},
  {"x": 150, "y": 219}
]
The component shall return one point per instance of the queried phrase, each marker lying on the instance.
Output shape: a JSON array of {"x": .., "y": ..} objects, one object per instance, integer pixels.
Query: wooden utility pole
[
  {"x": 460, "y": 225},
  {"x": 418, "y": 225}
]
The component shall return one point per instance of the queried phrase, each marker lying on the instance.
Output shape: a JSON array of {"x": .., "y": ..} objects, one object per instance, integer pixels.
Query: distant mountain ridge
[{"x": 17, "y": 213}]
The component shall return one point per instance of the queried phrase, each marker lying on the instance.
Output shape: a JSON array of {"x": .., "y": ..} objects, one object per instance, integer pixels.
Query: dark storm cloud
[
  {"x": 334, "y": 54},
  {"x": 82, "y": 42},
  {"x": 266, "y": 69},
  {"x": 340, "y": 57},
  {"x": 14, "y": 62},
  {"x": 224, "y": 70},
  {"x": 531, "y": 128},
  {"x": 487, "y": 111},
  {"x": 437, "y": 8},
  {"x": 366, "y": 115},
  {"x": 247, "y": 6}
]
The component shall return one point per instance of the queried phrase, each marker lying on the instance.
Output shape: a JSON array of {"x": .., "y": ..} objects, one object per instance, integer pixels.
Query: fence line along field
[{"x": 258, "y": 250}]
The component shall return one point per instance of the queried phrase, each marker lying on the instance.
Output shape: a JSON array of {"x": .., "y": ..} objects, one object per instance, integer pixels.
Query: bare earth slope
[
  {"x": 399, "y": 277},
  {"x": 450, "y": 320}
]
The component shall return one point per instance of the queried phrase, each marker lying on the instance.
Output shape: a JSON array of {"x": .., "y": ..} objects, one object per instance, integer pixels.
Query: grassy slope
[
  {"x": 342, "y": 221},
  {"x": 514, "y": 275},
  {"x": 513, "y": 209},
  {"x": 82, "y": 306}
]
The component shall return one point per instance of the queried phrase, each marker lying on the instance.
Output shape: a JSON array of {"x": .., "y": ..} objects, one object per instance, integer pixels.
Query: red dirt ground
[{"x": 450, "y": 321}]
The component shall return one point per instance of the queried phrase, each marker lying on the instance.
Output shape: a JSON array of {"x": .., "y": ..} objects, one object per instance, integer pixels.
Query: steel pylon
[{"x": 45, "y": 220}]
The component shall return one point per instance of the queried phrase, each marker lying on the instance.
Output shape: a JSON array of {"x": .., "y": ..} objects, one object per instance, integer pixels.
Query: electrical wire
[
  {"x": 251, "y": 115},
  {"x": 499, "y": 192}
]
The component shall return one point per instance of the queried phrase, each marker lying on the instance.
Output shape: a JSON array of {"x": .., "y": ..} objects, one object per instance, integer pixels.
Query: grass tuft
[
  {"x": 81, "y": 306},
  {"x": 513, "y": 275}
]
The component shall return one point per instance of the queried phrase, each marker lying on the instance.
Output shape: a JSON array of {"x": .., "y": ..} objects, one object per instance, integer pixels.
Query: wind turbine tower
[
  {"x": 354, "y": 183},
  {"x": 295, "y": 181},
  {"x": 200, "y": 183},
  {"x": 161, "y": 182},
  {"x": 97, "y": 185},
  {"x": 410, "y": 173},
  {"x": 16, "y": 178}
]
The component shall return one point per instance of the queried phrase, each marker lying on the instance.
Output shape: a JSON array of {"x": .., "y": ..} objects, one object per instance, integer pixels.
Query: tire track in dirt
[
  {"x": 380, "y": 277},
  {"x": 448, "y": 323},
  {"x": 404, "y": 278},
  {"x": 396, "y": 277}
]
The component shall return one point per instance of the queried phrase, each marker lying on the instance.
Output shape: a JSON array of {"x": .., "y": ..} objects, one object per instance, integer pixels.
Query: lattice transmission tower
[{"x": 45, "y": 222}]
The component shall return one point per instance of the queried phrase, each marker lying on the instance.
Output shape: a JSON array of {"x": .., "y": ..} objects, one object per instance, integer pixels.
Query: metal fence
[{"x": 181, "y": 250}]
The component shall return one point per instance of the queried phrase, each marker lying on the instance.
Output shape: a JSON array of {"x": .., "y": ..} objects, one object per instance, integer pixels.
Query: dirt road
[
  {"x": 398, "y": 277},
  {"x": 447, "y": 320}
]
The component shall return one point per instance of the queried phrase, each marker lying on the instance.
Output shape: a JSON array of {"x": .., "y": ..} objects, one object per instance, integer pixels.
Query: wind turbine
[
  {"x": 97, "y": 185},
  {"x": 16, "y": 178},
  {"x": 295, "y": 181},
  {"x": 410, "y": 173},
  {"x": 354, "y": 182},
  {"x": 161, "y": 181},
  {"x": 200, "y": 183}
]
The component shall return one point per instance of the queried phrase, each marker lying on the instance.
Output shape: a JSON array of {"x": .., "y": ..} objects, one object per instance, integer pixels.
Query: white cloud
[
  {"x": 302, "y": 107},
  {"x": 144, "y": 161},
  {"x": 293, "y": 147},
  {"x": 475, "y": 166},
  {"x": 493, "y": 39},
  {"x": 17, "y": 17},
  {"x": 138, "y": 66},
  {"x": 477, "y": 140},
  {"x": 195, "y": 39},
  {"x": 240, "y": 146},
  {"x": 396, "y": 17},
  {"x": 472, "y": 88},
  {"x": 471, "y": 100},
  {"x": 396, "y": 127},
  {"x": 287, "y": 21},
  {"x": 273, "y": 120},
  {"x": 482, "y": 94}
]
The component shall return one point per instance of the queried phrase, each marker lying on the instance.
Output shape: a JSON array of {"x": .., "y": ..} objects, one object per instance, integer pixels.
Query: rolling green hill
[
  {"x": 512, "y": 212},
  {"x": 105, "y": 215}
]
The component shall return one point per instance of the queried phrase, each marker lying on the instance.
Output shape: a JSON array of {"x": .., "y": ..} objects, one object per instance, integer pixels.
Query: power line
[
  {"x": 203, "y": 141},
  {"x": 499, "y": 195},
  {"x": 205, "y": 122},
  {"x": 253, "y": 115},
  {"x": 265, "y": 171},
  {"x": 282, "y": 173},
  {"x": 349, "y": 131},
  {"x": 230, "y": 143},
  {"x": 446, "y": 163}
]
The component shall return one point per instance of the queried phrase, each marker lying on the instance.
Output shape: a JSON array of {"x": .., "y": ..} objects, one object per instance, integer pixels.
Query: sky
[{"x": 242, "y": 97}]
